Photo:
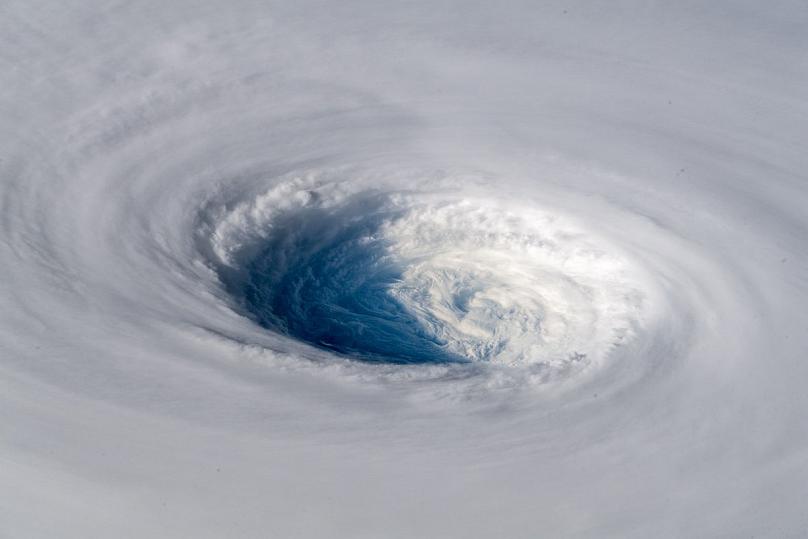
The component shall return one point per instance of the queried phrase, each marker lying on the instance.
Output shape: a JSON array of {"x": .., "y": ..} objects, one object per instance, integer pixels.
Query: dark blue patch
[{"x": 323, "y": 276}]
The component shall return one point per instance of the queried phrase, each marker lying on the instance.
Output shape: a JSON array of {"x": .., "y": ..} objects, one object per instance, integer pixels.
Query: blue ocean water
[{"x": 324, "y": 276}]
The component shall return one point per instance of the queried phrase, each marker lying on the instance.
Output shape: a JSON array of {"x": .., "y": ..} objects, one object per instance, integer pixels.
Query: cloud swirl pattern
[{"x": 305, "y": 269}]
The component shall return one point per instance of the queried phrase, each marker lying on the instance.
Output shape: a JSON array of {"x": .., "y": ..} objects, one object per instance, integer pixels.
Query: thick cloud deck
[{"x": 414, "y": 269}]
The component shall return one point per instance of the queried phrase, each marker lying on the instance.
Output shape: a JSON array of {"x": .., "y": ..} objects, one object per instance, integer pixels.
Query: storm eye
[
  {"x": 389, "y": 277},
  {"x": 327, "y": 277}
]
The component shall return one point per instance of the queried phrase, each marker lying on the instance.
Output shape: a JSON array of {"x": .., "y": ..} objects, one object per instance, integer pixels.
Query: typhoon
[{"x": 403, "y": 269}]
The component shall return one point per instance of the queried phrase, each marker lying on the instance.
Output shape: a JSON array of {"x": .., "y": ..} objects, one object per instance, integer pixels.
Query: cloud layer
[{"x": 420, "y": 269}]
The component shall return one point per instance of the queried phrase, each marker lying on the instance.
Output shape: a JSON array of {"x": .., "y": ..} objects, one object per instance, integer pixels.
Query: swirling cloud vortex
[{"x": 403, "y": 270}]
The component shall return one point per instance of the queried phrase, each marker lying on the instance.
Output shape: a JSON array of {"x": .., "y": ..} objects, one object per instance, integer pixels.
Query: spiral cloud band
[{"x": 414, "y": 269}]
